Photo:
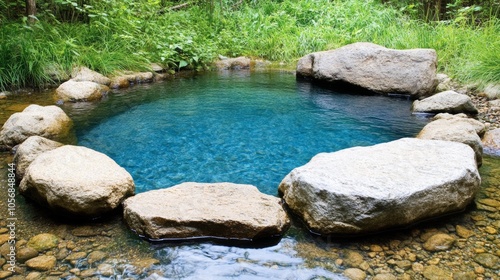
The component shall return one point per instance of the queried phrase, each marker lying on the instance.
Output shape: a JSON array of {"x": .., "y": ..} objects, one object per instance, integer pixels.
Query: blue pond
[{"x": 238, "y": 127}]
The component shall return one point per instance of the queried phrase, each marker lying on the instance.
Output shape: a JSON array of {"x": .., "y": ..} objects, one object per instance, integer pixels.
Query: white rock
[
  {"x": 50, "y": 122},
  {"x": 77, "y": 181},
  {"x": 375, "y": 68},
  {"x": 84, "y": 74},
  {"x": 75, "y": 91},
  {"x": 221, "y": 210},
  {"x": 457, "y": 129},
  {"x": 366, "y": 189},
  {"x": 29, "y": 150},
  {"x": 445, "y": 102},
  {"x": 492, "y": 91}
]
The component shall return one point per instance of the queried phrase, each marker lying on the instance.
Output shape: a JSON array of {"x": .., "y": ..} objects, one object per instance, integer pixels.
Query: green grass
[{"x": 128, "y": 35}]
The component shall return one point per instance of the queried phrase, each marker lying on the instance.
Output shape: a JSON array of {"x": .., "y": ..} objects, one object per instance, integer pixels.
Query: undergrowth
[{"x": 114, "y": 35}]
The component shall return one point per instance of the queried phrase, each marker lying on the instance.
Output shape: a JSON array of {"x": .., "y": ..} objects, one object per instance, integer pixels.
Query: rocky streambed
[{"x": 461, "y": 246}]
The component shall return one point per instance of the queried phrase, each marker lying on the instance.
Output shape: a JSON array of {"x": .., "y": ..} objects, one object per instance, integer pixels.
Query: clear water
[{"x": 238, "y": 127}]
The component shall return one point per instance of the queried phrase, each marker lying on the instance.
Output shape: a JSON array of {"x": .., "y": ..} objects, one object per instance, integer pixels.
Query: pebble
[
  {"x": 433, "y": 272},
  {"x": 33, "y": 275},
  {"x": 463, "y": 231},
  {"x": 76, "y": 256},
  {"x": 106, "y": 269},
  {"x": 26, "y": 253},
  {"x": 4, "y": 274},
  {"x": 439, "y": 242},
  {"x": 355, "y": 274},
  {"x": 384, "y": 276},
  {"x": 96, "y": 256},
  {"x": 353, "y": 259},
  {"x": 42, "y": 263},
  {"x": 487, "y": 260},
  {"x": 43, "y": 242}
]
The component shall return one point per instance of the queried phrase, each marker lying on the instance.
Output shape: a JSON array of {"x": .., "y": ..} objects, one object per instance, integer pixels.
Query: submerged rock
[
  {"x": 42, "y": 263},
  {"x": 29, "y": 150},
  {"x": 367, "y": 189},
  {"x": 375, "y": 68},
  {"x": 78, "y": 91},
  {"x": 77, "y": 181},
  {"x": 220, "y": 210},
  {"x": 445, "y": 102},
  {"x": 43, "y": 242},
  {"x": 457, "y": 129},
  {"x": 491, "y": 142},
  {"x": 50, "y": 122}
]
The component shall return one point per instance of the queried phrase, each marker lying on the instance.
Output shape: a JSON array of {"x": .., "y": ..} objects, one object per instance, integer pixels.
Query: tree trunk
[{"x": 31, "y": 10}]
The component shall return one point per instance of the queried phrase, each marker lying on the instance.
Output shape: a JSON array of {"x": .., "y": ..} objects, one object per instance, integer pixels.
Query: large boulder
[
  {"x": 84, "y": 74},
  {"x": 375, "y": 68},
  {"x": 235, "y": 63},
  {"x": 220, "y": 210},
  {"x": 77, "y": 181},
  {"x": 29, "y": 150},
  {"x": 491, "y": 142},
  {"x": 366, "y": 189},
  {"x": 458, "y": 129},
  {"x": 50, "y": 122},
  {"x": 445, "y": 102},
  {"x": 75, "y": 91}
]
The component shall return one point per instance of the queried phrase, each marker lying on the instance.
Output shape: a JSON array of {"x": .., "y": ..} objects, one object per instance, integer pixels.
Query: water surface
[{"x": 249, "y": 128}]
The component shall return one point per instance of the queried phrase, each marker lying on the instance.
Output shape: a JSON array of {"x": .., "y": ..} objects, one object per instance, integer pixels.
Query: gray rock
[
  {"x": 375, "y": 68},
  {"x": 50, "y": 122},
  {"x": 488, "y": 260},
  {"x": 492, "y": 91},
  {"x": 77, "y": 181},
  {"x": 445, "y": 102},
  {"x": 460, "y": 130},
  {"x": 366, "y": 189},
  {"x": 81, "y": 91},
  {"x": 444, "y": 82},
  {"x": 233, "y": 63},
  {"x": 491, "y": 142},
  {"x": 478, "y": 126},
  {"x": 29, "y": 150},
  {"x": 84, "y": 74},
  {"x": 190, "y": 210}
]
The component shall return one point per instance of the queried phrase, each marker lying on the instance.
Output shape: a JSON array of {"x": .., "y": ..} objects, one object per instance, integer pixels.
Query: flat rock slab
[
  {"x": 445, "y": 102},
  {"x": 47, "y": 121},
  {"x": 77, "y": 181},
  {"x": 375, "y": 68},
  {"x": 211, "y": 210},
  {"x": 366, "y": 189}
]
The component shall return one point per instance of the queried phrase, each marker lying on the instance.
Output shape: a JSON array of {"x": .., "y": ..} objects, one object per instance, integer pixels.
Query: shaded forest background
[{"x": 42, "y": 40}]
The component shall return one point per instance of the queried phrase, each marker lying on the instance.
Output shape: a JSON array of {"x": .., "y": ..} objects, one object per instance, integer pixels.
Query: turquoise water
[{"x": 235, "y": 127}]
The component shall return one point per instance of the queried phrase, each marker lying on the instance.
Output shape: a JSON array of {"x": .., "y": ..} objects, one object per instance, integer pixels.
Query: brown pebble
[{"x": 439, "y": 242}]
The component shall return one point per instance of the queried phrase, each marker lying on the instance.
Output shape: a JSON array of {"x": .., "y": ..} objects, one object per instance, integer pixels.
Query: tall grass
[{"x": 127, "y": 34}]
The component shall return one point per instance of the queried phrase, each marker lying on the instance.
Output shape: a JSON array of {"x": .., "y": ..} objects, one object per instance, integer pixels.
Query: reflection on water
[{"x": 222, "y": 262}]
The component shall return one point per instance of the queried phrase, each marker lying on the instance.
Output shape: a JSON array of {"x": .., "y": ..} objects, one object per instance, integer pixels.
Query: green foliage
[{"x": 114, "y": 35}]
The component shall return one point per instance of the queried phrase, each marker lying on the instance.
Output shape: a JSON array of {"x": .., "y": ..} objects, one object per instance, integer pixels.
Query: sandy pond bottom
[{"x": 106, "y": 249}]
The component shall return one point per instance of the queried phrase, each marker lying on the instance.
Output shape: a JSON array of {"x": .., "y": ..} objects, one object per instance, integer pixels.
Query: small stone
[
  {"x": 33, "y": 275},
  {"x": 88, "y": 273},
  {"x": 434, "y": 261},
  {"x": 106, "y": 269},
  {"x": 26, "y": 253},
  {"x": 353, "y": 259},
  {"x": 96, "y": 256},
  {"x": 404, "y": 264},
  {"x": 62, "y": 254},
  {"x": 490, "y": 230},
  {"x": 4, "y": 274},
  {"x": 433, "y": 272},
  {"x": 4, "y": 238},
  {"x": 384, "y": 276},
  {"x": 417, "y": 267},
  {"x": 487, "y": 260},
  {"x": 43, "y": 242},
  {"x": 376, "y": 248},
  {"x": 339, "y": 262},
  {"x": 479, "y": 270},
  {"x": 75, "y": 271},
  {"x": 439, "y": 242},
  {"x": 76, "y": 256},
  {"x": 3, "y": 230},
  {"x": 489, "y": 202},
  {"x": 85, "y": 231},
  {"x": 464, "y": 276},
  {"x": 141, "y": 265},
  {"x": 355, "y": 274},
  {"x": 364, "y": 266},
  {"x": 463, "y": 231},
  {"x": 42, "y": 263}
]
